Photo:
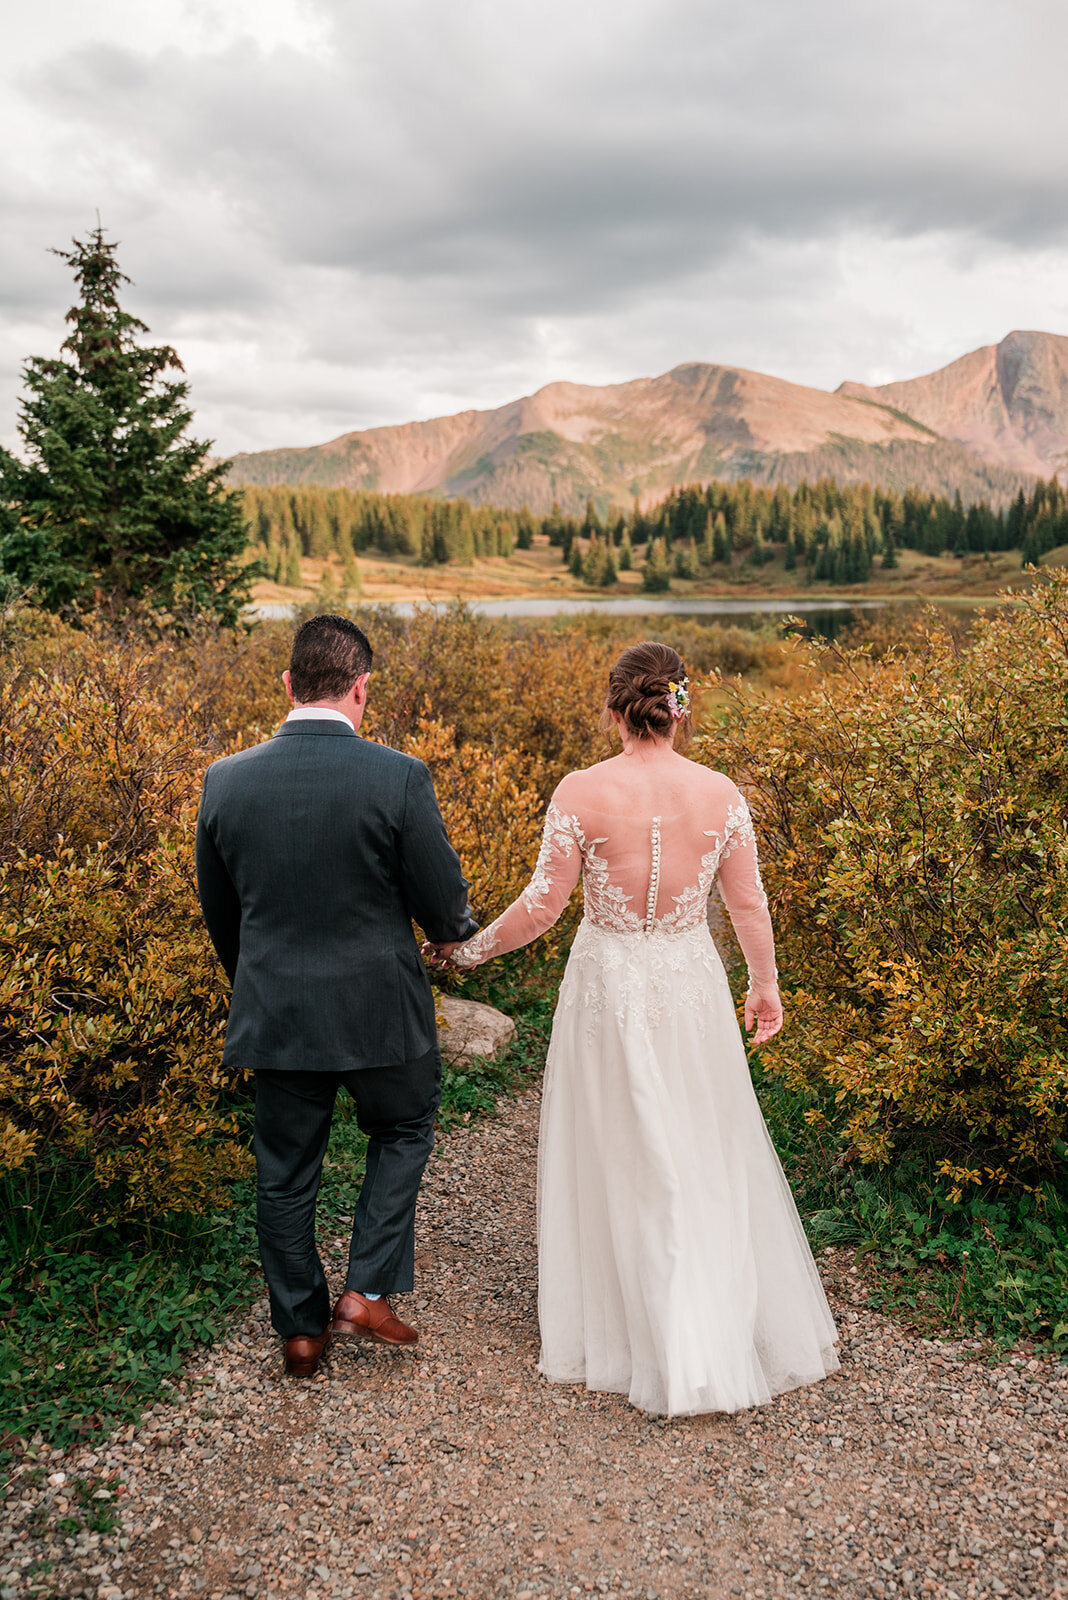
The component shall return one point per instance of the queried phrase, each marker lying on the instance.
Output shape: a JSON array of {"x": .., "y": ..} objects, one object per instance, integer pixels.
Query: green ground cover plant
[
  {"x": 91, "y": 1332},
  {"x": 993, "y": 1264}
]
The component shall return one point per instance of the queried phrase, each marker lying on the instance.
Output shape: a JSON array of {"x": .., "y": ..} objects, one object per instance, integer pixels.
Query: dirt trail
[{"x": 458, "y": 1471}]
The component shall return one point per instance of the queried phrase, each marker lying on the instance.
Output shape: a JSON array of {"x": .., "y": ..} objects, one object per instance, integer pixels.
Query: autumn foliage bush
[
  {"x": 910, "y": 799},
  {"x": 111, "y": 1007},
  {"x": 911, "y": 807}
]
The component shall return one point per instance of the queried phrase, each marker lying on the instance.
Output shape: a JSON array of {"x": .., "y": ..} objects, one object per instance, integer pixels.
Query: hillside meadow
[
  {"x": 909, "y": 788},
  {"x": 538, "y": 573}
]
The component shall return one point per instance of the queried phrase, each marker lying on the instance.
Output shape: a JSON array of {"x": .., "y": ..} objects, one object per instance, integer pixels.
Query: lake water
[
  {"x": 827, "y": 617},
  {"x": 823, "y": 616}
]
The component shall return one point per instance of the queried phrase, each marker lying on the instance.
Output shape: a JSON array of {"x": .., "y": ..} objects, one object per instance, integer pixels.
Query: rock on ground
[
  {"x": 457, "y": 1471},
  {"x": 472, "y": 1028}
]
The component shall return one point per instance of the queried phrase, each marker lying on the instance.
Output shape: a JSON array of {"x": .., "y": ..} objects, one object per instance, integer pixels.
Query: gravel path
[{"x": 456, "y": 1470}]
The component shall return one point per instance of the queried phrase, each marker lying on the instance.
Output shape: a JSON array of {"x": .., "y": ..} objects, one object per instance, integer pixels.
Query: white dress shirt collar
[{"x": 319, "y": 714}]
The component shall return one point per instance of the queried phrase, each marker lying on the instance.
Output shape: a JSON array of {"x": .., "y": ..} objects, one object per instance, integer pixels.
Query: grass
[{"x": 94, "y": 1326}]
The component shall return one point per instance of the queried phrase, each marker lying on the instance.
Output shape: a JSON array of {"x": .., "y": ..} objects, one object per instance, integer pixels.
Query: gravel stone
[{"x": 455, "y": 1470}]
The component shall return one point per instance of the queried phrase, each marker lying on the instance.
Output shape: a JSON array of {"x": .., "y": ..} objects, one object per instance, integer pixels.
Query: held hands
[
  {"x": 764, "y": 1008},
  {"x": 440, "y": 955}
]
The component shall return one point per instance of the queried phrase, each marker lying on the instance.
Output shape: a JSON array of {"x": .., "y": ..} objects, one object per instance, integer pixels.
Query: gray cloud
[{"x": 432, "y": 206}]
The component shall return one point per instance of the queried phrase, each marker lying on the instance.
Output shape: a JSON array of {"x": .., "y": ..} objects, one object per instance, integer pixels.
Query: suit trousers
[{"x": 395, "y": 1108}]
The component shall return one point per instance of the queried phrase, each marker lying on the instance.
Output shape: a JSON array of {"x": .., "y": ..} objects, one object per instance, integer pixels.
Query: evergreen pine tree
[
  {"x": 656, "y": 574},
  {"x": 426, "y": 546},
  {"x": 626, "y": 553},
  {"x": 350, "y": 575},
  {"x": 524, "y": 533},
  {"x": 553, "y": 525},
  {"x": 599, "y": 568},
  {"x": 574, "y": 558},
  {"x": 706, "y": 553},
  {"x": 463, "y": 539},
  {"x": 686, "y": 563},
  {"x": 113, "y": 500},
  {"x": 440, "y": 522},
  {"x": 320, "y": 542},
  {"x": 591, "y": 524}
]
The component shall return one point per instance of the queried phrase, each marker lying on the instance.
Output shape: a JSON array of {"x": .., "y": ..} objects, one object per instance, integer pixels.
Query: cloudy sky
[{"x": 350, "y": 212}]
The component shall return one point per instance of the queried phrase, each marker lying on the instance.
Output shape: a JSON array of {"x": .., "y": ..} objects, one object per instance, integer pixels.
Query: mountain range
[{"x": 982, "y": 425}]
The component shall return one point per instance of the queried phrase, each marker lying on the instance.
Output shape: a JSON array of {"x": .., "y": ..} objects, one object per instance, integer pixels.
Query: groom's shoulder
[
  {"x": 237, "y": 759},
  {"x": 382, "y": 760}
]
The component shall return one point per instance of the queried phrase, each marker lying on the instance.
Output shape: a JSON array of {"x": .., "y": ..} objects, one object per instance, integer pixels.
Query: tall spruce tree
[
  {"x": 114, "y": 502},
  {"x": 656, "y": 573}
]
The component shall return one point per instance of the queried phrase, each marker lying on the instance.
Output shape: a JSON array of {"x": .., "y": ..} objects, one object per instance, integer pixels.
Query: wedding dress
[{"x": 672, "y": 1263}]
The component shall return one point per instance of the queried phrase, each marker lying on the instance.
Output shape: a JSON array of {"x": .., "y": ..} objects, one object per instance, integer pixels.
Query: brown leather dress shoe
[
  {"x": 304, "y": 1352},
  {"x": 356, "y": 1317}
]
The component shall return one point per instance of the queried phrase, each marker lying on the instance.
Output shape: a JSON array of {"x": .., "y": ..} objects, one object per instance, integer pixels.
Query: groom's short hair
[{"x": 329, "y": 654}]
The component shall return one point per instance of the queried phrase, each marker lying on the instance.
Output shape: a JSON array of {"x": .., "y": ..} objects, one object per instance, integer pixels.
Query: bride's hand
[
  {"x": 765, "y": 1010},
  {"x": 439, "y": 954}
]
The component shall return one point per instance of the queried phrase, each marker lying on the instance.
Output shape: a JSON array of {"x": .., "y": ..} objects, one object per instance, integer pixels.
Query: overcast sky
[{"x": 345, "y": 214}]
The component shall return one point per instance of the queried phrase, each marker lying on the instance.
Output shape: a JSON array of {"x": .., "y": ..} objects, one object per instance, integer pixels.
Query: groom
[{"x": 315, "y": 851}]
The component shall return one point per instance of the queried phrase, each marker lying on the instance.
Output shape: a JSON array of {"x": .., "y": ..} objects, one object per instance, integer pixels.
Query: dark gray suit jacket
[{"x": 315, "y": 851}]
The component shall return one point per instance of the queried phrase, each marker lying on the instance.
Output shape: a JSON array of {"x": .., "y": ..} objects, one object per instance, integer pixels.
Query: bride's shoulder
[
  {"x": 586, "y": 787},
  {"x": 585, "y": 780},
  {"x": 574, "y": 787},
  {"x": 713, "y": 783}
]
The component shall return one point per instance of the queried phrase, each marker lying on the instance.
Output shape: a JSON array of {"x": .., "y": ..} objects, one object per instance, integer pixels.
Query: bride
[{"x": 672, "y": 1264}]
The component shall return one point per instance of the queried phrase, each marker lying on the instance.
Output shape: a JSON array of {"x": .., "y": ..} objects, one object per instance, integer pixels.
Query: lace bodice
[{"x": 642, "y": 875}]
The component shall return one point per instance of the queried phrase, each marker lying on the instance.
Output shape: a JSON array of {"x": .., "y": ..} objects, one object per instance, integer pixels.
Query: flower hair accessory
[{"x": 679, "y": 698}]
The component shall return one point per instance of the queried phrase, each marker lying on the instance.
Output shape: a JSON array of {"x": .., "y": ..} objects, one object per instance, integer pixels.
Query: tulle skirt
[{"x": 672, "y": 1263}]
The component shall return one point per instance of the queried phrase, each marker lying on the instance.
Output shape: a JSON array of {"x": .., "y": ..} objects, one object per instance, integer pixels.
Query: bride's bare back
[{"x": 650, "y": 831}]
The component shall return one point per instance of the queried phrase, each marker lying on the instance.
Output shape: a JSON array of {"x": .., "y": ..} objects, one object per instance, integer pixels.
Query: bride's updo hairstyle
[{"x": 639, "y": 686}]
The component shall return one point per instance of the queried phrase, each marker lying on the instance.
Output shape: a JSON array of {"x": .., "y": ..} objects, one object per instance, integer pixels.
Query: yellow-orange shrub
[
  {"x": 912, "y": 815},
  {"x": 111, "y": 1004}
]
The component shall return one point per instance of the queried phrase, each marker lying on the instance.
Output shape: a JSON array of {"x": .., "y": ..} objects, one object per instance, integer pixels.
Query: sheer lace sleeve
[
  {"x": 543, "y": 899},
  {"x": 743, "y": 895}
]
